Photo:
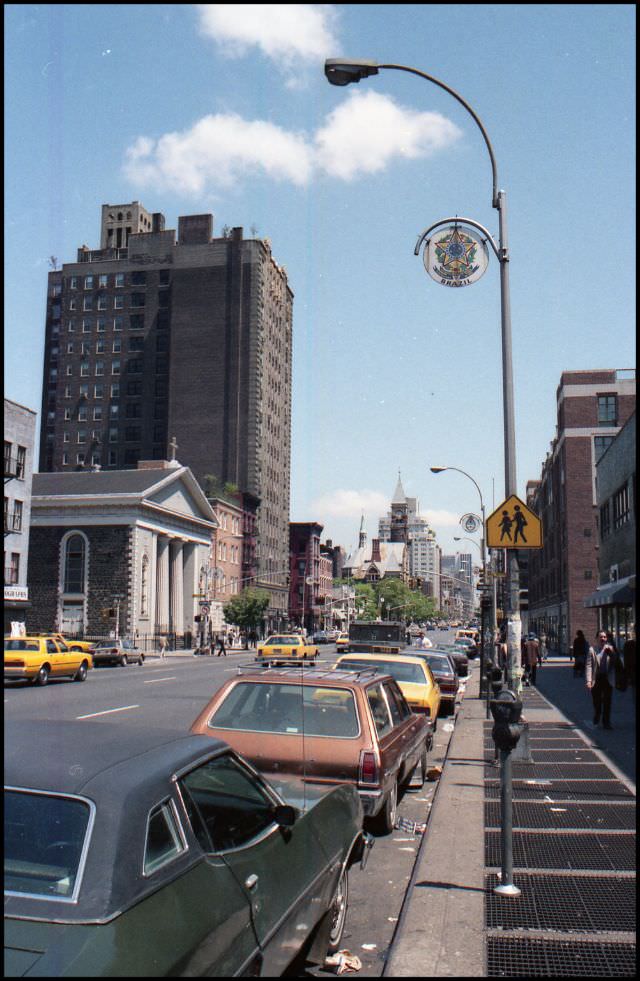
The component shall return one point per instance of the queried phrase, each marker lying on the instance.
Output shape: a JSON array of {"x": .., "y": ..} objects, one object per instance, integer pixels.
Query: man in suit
[{"x": 600, "y": 674}]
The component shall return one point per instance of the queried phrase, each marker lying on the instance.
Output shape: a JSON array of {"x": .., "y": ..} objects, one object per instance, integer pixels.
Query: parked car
[
  {"x": 177, "y": 860},
  {"x": 413, "y": 674},
  {"x": 119, "y": 651},
  {"x": 72, "y": 644},
  {"x": 469, "y": 646},
  {"x": 444, "y": 671},
  {"x": 285, "y": 647},
  {"x": 36, "y": 659},
  {"x": 329, "y": 727},
  {"x": 459, "y": 655}
]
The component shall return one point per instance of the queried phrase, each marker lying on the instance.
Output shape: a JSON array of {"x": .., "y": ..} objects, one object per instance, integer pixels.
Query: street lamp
[{"x": 340, "y": 71}]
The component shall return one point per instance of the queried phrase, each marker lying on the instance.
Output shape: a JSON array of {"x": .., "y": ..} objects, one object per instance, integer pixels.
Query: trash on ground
[
  {"x": 344, "y": 962},
  {"x": 413, "y": 827},
  {"x": 434, "y": 773}
]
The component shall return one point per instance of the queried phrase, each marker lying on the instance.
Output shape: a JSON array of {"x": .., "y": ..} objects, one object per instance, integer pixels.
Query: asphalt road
[{"x": 171, "y": 693}]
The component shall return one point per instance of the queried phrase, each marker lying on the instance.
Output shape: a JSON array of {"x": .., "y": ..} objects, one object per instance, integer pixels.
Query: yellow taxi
[
  {"x": 73, "y": 645},
  {"x": 36, "y": 659},
  {"x": 413, "y": 675},
  {"x": 342, "y": 642},
  {"x": 286, "y": 647}
]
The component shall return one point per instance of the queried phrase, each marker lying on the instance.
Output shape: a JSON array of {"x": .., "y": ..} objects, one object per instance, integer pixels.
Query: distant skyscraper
[{"x": 153, "y": 337}]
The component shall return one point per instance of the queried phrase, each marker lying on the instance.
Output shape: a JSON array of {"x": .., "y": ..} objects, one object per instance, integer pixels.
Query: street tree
[{"x": 246, "y": 610}]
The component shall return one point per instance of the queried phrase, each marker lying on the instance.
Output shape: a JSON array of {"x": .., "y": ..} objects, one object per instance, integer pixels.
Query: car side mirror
[{"x": 285, "y": 815}]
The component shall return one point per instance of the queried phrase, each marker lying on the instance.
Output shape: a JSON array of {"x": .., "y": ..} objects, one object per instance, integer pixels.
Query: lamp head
[
  {"x": 342, "y": 72},
  {"x": 438, "y": 469}
]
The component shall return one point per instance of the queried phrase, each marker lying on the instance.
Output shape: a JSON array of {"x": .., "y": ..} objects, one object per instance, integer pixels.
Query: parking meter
[
  {"x": 506, "y": 709},
  {"x": 495, "y": 679}
]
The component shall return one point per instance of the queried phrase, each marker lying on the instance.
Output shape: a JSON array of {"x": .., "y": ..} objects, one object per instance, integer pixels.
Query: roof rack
[{"x": 320, "y": 673}]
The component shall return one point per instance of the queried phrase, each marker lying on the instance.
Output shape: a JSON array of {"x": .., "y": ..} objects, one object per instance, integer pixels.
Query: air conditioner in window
[{"x": 613, "y": 573}]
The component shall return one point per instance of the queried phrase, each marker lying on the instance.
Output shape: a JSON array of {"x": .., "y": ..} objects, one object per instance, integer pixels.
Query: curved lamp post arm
[
  {"x": 464, "y": 221},
  {"x": 436, "y": 81}
]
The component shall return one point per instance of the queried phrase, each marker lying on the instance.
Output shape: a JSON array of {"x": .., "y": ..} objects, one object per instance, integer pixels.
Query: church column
[
  {"x": 177, "y": 608},
  {"x": 162, "y": 584}
]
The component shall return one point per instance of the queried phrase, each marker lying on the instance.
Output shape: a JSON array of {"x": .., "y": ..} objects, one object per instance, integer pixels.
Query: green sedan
[{"x": 165, "y": 855}]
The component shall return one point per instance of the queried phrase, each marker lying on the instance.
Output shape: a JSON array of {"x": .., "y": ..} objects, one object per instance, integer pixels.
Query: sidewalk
[{"x": 574, "y": 858}]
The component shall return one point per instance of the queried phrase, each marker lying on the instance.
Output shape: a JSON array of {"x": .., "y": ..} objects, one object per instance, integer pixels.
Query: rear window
[
  {"x": 289, "y": 641},
  {"x": 440, "y": 664},
  {"x": 271, "y": 707},
  {"x": 21, "y": 645},
  {"x": 400, "y": 670},
  {"x": 44, "y": 840}
]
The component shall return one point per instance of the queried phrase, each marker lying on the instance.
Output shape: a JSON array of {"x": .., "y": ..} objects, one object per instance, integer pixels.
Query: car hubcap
[{"x": 339, "y": 909}]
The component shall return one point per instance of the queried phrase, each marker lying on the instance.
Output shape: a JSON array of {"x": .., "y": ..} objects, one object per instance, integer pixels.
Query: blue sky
[{"x": 225, "y": 109}]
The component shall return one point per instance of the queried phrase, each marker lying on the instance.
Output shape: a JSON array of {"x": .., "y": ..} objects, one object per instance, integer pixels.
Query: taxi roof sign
[{"x": 513, "y": 525}]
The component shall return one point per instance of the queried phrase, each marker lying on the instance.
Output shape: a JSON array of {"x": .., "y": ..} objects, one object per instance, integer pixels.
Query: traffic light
[{"x": 197, "y": 618}]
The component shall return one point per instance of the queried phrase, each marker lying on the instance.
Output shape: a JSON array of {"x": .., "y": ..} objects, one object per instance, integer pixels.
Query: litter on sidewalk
[
  {"x": 412, "y": 827},
  {"x": 434, "y": 773},
  {"x": 344, "y": 962}
]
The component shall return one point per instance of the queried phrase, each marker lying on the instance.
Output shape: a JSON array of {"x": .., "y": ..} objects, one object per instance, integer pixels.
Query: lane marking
[
  {"x": 92, "y": 715},
  {"x": 155, "y": 681}
]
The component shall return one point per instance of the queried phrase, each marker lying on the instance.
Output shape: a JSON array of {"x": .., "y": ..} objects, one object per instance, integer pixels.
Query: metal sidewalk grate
[
  {"x": 558, "y": 754},
  {"x": 563, "y": 903},
  {"x": 580, "y": 790},
  {"x": 557, "y": 771},
  {"x": 525, "y": 957},
  {"x": 563, "y": 814},
  {"x": 609, "y": 851}
]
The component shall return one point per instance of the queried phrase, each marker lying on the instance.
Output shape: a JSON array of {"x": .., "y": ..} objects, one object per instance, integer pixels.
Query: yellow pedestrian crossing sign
[{"x": 513, "y": 525}]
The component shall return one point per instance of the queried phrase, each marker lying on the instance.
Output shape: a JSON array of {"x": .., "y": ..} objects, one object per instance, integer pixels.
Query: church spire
[
  {"x": 399, "y": 497},
  {"x": 362, "y": 539}
]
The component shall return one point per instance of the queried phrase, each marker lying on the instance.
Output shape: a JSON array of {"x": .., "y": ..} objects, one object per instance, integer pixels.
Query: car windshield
[
  {"x": 107, "y": 643},
  {"x": 400, "y": 670},
  {"x": 271, "y": 707},
  {"x": 289, "y": 641},
  {"x": 21, "y": 645},
  {"x": 440, "y": 664},
  {"x": 44, "y": 837}
]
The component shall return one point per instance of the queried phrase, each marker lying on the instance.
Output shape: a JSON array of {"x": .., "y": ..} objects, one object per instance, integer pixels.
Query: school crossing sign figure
[{"x": 513, "y": 525}]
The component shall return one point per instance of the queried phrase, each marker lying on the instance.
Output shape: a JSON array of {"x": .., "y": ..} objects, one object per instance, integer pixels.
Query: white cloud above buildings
[
  {"x": 364, "y": 134},
  {"x": 284, "y": 32}
]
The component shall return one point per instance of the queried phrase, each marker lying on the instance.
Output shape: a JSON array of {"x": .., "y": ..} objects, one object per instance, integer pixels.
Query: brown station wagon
[{"x": 328, "y": 727}]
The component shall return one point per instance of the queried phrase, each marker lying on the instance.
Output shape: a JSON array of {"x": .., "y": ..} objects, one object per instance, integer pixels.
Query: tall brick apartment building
[
  {"x": 154, "y": 336},
  {"x": 592, "y": 406}
]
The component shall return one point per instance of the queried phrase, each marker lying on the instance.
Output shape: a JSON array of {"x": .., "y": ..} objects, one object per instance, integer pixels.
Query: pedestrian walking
[
  {"x": 530, "y": 658},
  {"x": 162, "y": 644},
  {"x": 600, "y": 674},
  {"x": 220, "y": 645},
  {"x": 253, "y": 637},
  {"x": 230, "y": 638},
  {"x": 579, "y": 651}
]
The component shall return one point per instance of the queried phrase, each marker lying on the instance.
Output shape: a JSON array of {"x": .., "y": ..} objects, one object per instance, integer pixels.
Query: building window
[
  {"x": 138, "y": 299},
  {"x": 118, "y": 322},
  {"x": 600, "y": 444},
  {"x": 138, "y": 278},
  {"x": 71, "y": 326},
  {"x": 84, "y": 369},
  {"x": 101, "y": 325},
  {"x": 113, "y": 434},
  {"x": 113, "y": 458},
  {"x": 99, "y": 367},
  {"x": 621, "y": 507},
  {"x": 65, "y": 459},
  {"x": 84, "y": 391},
  {"x": 100, "y": 347},
  {"x": 87, "y": 303},
  {"x": 70, "y": 347},
  {"x": 119, "y": 280},
  {"x": 88, "y": 282},
  {"x": 118, "y": 302},
  {"x": 73, "y": 282},
  {"x": 117, "y": 345},
  {"x": 115, "y": 367},
  {"x": 115, "y": 390},
  {"x": 103, "y": 281},
  {"x": 82, "y": 436},
  {"x": 605, "y": 521},
  {"x": 136, "y": 321},
  {"x": 102, "y": 301},
  {"x": 97, "y": 413},
  {"x": 86, "y": 325},
  {"x": 75, "y": 554},
  {"x": 82, "y": 413},
  {"x": 607, "y": 410}
]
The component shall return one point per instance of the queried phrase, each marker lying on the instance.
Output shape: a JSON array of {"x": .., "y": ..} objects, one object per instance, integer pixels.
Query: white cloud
[
  {"x": 217, "y": 151},
  {"x": 365, "y": 134},
  {"x": 442, "y": 519},
  {"x": 284, "y": 32},
  {"x": 344, "y": 503},
  {"x": 368, "y": 130}
]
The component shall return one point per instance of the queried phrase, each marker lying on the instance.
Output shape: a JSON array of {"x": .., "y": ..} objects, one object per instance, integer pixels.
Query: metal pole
[
  {"x": 506, "y": 887},
  {"x": 514, "y": 626}
]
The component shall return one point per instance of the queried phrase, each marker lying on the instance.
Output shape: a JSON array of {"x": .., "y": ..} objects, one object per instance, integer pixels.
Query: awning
[{"x": 620, "y": 593}]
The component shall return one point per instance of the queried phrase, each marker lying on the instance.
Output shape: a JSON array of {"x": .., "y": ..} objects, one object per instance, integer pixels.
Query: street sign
[
  {"x": 205, "y": 609},
  {"x": 513, "y": 525}
]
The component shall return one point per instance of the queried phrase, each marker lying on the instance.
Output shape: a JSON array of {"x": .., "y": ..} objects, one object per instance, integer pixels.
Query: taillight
[
  {"x": 420, "y": 709},
  {"x": 369, "y": 771},
  {"x": 115, "y": 650}
]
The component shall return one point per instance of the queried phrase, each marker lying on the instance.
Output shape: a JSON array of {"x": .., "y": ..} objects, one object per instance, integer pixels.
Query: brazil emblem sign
[{"x": 456, "y": 256}]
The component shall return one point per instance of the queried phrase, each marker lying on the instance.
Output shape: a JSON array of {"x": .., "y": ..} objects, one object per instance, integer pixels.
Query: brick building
[
  {"x": 19, "y": 445},
  {"x": 615, "y": 598},
  {"x": 156, "y": 336},
  {"x": 310, "y": 576},
  {"x": 592, "y": 406}
]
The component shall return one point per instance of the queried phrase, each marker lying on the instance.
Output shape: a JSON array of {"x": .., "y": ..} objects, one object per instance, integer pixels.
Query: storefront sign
[{"x": 18, "y": 594}]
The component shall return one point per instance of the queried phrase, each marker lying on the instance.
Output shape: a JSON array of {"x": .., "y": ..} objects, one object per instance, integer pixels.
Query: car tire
[
  {"x": 81, "y": 673},
  {"x": 123, "y": 661},
  {"x": 141, "y": 660},
  {"x": 386, "y": 819},
  {"x": 423, "y": 764},
  {"x": 338, "y": 912},
  {"x": 42, "y": 676}
]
